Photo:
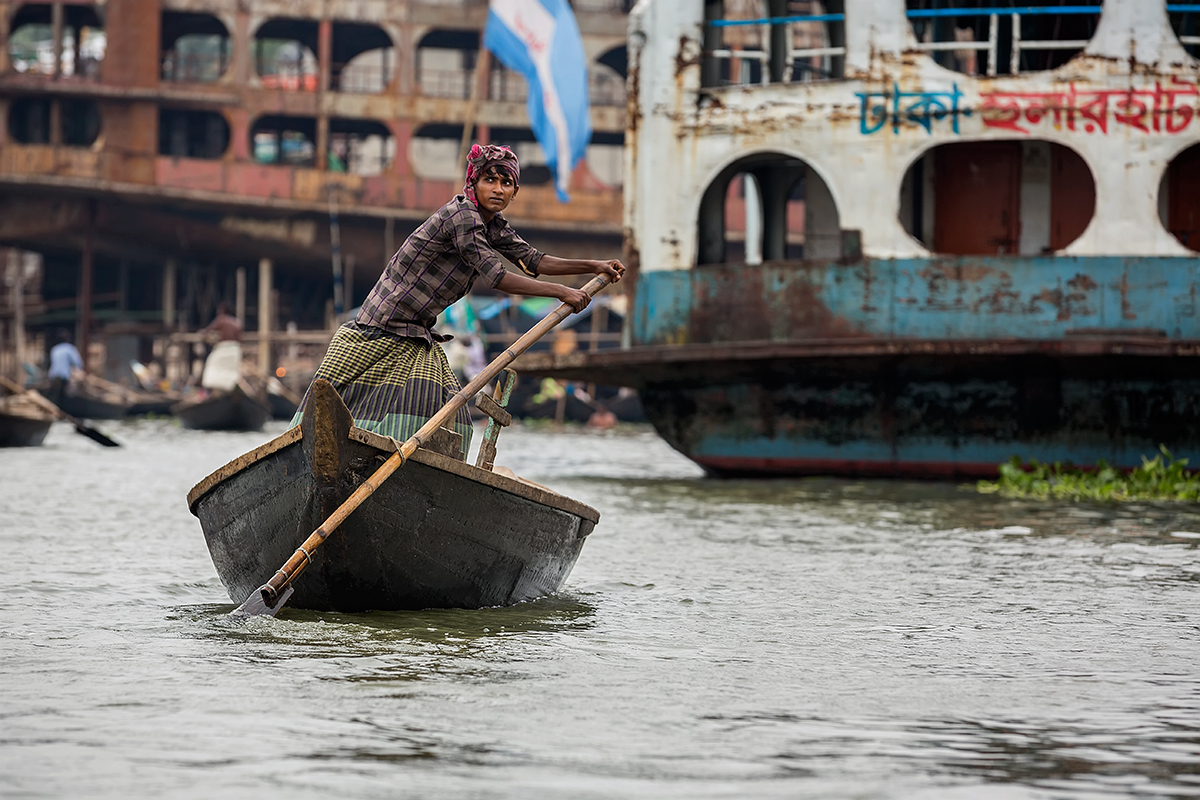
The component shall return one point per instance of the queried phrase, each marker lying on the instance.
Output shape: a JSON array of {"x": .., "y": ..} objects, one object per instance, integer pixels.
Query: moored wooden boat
[
  {"x": 438, "y": 533},
  {"x": 223, "y": 411},
  {"x": 23, "y": 423}
]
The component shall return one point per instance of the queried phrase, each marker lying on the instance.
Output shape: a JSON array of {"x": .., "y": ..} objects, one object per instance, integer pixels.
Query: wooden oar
[
  {"x": 80, "y": 426},
  {"x": 272, "y": 595}
]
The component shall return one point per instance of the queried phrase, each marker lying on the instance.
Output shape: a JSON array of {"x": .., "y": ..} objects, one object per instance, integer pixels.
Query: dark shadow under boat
[
  {"x": 439, "y": 533},
  {"x": 224, "y": 411}
]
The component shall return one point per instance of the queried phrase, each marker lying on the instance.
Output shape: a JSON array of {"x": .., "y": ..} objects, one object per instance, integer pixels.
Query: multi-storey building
[{"x": 163, "y": 155}]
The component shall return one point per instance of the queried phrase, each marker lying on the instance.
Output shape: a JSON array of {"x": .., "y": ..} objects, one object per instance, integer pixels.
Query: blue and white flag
[{"x": 540, "y": 40}]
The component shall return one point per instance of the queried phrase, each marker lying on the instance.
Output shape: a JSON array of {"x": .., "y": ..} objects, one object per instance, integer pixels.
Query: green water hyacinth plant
[{"x": 1162, "y": 478}]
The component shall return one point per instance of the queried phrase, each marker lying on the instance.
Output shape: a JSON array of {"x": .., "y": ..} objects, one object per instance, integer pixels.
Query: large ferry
[{"x": 912, "y": 238}]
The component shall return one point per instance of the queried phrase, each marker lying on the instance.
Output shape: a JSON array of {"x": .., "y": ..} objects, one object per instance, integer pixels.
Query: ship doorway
[
  {"x": 997, "y": 198},
  {"x": 1179, "y": 198},
  {"x": 767, "y": 207}
]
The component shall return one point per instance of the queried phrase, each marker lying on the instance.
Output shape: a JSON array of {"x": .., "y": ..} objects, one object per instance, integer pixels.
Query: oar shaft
[{"x": 304, "y": 553}]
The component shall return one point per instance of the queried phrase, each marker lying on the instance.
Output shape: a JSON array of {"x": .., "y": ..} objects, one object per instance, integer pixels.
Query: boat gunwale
[{"x": 515, "y": 486}]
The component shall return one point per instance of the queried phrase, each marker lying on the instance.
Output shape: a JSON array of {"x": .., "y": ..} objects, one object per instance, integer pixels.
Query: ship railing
[
  {"x": 993, "y": 15},
  {"x": 762, "y": 55}
]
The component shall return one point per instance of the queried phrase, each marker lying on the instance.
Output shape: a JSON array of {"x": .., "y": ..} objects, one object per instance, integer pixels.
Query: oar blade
[
  {"x": 255, "y": 606},
  {"x": 96, "y": 436}
]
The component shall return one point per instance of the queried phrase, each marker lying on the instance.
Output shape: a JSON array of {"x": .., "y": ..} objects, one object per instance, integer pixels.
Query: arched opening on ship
[
  {"x": 30, "y": 121},
  {"x": 606, "y": 157},
  {"x": 184, "y": 133},
  {"x": 987, "y": 39},
  {"x": 363, "y": 58},
  {"x": 446, "y": 62},
  {"x": 522, "y": 141},
  {"x": 1187, "y": 27},
  {"x": 285, "y": 54},
  {"x": 81, "y": 43},
  {"x": 433, "y": 152},
  {"x": 742, "y": 45},
  {"x": 997, "y": 198},
  {"x": 606, "y": 78},
  {"x": 360, "y": 146},
  {"x": 284, "y": 140},
  {"x": 767, "y": 207},
  {"x": 1179, "y": 198},
  {"x": 195, "y": 47}
]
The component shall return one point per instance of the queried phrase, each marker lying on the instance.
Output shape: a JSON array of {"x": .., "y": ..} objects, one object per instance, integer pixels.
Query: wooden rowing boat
[
  {"x": 439, "y": 533},
  {"x": 23, "y": 423},
  {"x": 234, "y": 410}
]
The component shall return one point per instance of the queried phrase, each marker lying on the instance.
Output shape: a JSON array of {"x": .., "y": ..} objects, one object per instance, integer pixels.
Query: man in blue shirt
[{"x": 64, "y": 361}]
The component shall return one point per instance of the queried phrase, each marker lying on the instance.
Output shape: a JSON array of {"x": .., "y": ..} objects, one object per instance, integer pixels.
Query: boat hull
[
  {"x": 223, "y": 411},
  {"x": 438, "y": 533},
  {"x": 22, "y": 431}
]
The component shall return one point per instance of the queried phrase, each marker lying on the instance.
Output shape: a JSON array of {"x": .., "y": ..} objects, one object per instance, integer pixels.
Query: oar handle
[{"x": 303, "y": 556}]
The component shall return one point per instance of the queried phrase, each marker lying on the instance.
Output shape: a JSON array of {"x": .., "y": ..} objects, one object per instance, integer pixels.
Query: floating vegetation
[{"x": 1162, "y": 478}]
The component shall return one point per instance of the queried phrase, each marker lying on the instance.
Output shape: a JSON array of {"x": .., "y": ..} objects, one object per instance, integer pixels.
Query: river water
[{"x": 800, "y": 639}]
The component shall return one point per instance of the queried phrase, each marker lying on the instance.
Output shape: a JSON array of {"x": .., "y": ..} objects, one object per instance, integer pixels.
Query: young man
[{"x": 387, "y": 364}]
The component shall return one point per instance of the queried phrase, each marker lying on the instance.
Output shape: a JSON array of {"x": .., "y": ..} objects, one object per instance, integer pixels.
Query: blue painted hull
[{"x": 1055, "y": 358}]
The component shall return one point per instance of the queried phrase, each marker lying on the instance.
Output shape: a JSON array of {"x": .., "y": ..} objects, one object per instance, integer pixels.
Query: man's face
[{"x": 495, "y": 190}]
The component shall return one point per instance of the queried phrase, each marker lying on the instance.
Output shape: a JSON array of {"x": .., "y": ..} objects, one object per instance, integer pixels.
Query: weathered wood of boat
[
  {"x": 224, "y": 411},
  {"x": 23, "y": 423},
  {"x": 439, "y": 533}
]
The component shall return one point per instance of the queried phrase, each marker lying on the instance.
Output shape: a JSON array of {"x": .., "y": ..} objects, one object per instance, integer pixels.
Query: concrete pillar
[
  {"x": 85, "y": 291},
  {"x": 56, "y": 33},
  {"x": 264, "y": 317},
  {"x": 324, "y": 70},
  {"x": 775, "y": 184},
  {"x": 16, "y": 264},
  {"x": 239, "y": 298},
  {"x": 168, "y": 294}
]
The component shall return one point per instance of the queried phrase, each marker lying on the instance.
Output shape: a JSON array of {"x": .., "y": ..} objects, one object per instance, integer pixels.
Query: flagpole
[{"x": 482, "y": 73}]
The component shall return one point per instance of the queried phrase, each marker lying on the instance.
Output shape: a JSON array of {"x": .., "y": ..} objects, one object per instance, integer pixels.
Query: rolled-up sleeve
[
  {"x": 520, "y": 252},
  {"x": 474, "y": 248}
]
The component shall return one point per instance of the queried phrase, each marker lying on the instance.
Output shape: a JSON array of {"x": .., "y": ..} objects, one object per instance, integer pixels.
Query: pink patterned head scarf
[{"x": 489, "y": 155}]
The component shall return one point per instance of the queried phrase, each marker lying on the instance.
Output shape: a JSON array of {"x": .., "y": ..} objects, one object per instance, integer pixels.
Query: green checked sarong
[{"x": 391, "y": 384}]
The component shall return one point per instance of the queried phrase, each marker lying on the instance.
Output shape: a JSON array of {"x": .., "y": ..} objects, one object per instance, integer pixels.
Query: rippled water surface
[{"x": 808, "y": 638}]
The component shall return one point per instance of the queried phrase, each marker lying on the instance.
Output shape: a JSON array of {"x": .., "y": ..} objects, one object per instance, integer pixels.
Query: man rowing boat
[{"x": 387, "y": 364}]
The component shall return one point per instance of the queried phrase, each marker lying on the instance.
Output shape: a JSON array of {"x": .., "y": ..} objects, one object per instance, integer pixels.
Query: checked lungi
[{"x": 391, "y": 384}]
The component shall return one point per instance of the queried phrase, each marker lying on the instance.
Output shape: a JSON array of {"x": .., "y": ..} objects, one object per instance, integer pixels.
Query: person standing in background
[
  {"x": 65, "y": 361},
  {"x": 223, "y": 367}
]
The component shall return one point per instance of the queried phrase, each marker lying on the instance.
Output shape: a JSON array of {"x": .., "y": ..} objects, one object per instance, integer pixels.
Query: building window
[
  {"x": 192, "y": 134},
  {"x": 285, "y": 55},
  {"x": 195, "y": 47}
]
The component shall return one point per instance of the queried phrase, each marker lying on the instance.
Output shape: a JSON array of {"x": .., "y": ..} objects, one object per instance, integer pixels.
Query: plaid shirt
[{"x": 438, "y": 264}]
